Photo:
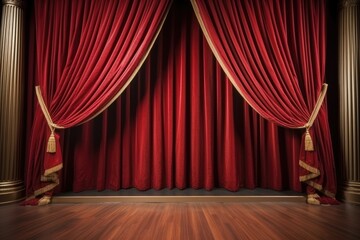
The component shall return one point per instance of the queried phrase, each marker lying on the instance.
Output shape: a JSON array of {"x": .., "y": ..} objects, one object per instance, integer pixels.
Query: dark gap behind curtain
[{"x": 180, "y": 124}]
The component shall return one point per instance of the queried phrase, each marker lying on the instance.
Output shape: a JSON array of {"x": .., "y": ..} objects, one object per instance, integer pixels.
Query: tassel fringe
[
  {"x": 51, "y": 146},
  {"x": 309, "y": 146}
]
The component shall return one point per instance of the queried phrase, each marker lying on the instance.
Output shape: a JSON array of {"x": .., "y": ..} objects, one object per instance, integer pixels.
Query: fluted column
[
  {"x": 11, "y": 101},
  {"x": 349, "y": 69}
]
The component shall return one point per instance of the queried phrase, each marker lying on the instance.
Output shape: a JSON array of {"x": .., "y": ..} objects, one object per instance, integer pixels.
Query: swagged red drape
[
  {"x": 86, "y": 54},
  {"x": 180, "y": 124},
  {"x": 263, "y": 165},
  {"x": 274, "y": 53}
]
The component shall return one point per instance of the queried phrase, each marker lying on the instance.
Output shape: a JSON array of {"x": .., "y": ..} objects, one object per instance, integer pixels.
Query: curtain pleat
[
  {"x": 180, "y": 124},
  {"x": 273, "y": 51},
  {"x": 87, "y": 52}
]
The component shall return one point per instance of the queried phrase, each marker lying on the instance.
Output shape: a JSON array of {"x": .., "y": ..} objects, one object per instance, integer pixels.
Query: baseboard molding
[{"x": 173, "y": 199}]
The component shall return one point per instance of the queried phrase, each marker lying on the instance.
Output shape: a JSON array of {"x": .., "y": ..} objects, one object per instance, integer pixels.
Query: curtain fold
[
  {"x": 180, "y": 124},
  {"x": 83, "y": 65},
  {"x": 273, "y": 52}
]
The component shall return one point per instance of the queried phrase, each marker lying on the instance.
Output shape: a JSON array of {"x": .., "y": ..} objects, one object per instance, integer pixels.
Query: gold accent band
[
  {"x": 45, "y": 189},
  {"x": 308, "y": 167},
  {"x": 315, "y": 185},
  {"x": 53, "y": 169},
  {"x": 314, "y": 173},
  {"x": 53, "y": 180},
  {"x": 308, "y": 177}
]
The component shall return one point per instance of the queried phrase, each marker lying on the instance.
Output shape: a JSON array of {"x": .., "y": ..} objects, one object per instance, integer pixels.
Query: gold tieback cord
[
  {"x": 51, "y": 145},
  {"x": 309, "y": 145}
]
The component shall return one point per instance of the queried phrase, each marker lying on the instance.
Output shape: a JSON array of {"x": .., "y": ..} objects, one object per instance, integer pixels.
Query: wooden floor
[{"x": 279, "y": 220}]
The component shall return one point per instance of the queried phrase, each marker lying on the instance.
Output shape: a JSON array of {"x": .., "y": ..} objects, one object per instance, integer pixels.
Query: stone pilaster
[
  {"x": 11, "y": 100},
  {"x": 349, "y": 69}
]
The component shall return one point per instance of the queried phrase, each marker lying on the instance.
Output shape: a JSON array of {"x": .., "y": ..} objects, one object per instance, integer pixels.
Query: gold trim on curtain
[
  {"x": 215, "y": 52},
  {"x": 50, "y": 175},
  {"x": 135, "y": 71},
  {"x": 44, "y": 108},
  {"x": 227, "y": 72}
]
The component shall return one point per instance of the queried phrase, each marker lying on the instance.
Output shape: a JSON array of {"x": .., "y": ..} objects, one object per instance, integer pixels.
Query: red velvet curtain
[
  {"x": 274, "y": 53},
  {"x": 87, "y": 52},
  {"x": 180, "y": 124}
]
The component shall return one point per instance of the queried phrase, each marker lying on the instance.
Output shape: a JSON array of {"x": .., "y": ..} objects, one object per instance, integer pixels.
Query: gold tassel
[
  {"x": 309, "y": 146},
  {"x": 51, "y": 146}
]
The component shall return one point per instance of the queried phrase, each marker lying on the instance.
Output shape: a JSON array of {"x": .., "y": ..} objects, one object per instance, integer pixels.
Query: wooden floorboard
[{"x": 196, "y": 220}]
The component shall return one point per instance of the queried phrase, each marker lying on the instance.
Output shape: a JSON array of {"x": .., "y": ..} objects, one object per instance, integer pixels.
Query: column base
[
  {"x": 11, "y": 191},
  {"x": 351, "y": 192}
]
